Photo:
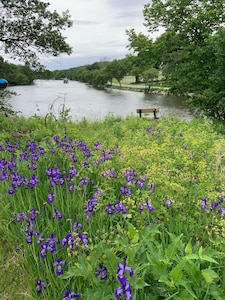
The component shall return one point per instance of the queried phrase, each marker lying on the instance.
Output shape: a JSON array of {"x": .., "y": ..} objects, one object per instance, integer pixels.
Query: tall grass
[{"x": 118, "y": 209}]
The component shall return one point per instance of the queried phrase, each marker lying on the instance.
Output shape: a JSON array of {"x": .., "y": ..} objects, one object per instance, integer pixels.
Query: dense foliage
[
  {"x": 27, "y": 27},
  {"x": 190, "y": 51},
  {"x": 137, "y": 213}
]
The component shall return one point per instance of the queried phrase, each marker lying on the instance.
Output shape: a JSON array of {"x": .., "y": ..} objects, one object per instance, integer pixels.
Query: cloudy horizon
[{"x": 99, "y": 30}]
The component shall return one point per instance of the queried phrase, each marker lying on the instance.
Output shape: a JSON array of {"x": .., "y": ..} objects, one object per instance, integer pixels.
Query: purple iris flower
[
  {"x": 40, "y": 286},
  {"x": 122, "y": 268},
  {"x": 102, "y": 270},
  {"x": 48, "y": 246},
  {"x": 148, "y": 205},
  {"x": 82, "y": 239},
  {"x": 125, "y": 288},
  {"x": 77, "y": 226},
  {"x": 120, "y": 208},
  {"x": 124, "y": 190},
  {"x": 73, "y": 172},
  {"x": 68, "y": 241},
  {"x": 110, "y": 209},
  {"x": 125, "y": 291},
  {"x": 57, "y": 214},
  {"x": 51, "y": 197},
  {"x": 70, "y": 295},
  {"x": 204, "y": 204},
  {"x": 58, "y": 266}
]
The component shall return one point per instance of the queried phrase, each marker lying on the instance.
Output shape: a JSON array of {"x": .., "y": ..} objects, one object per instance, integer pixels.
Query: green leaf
[
  {"x": 209, "y": 275},
  {"x": 72, "y": 272},
  {"x": 133, "y": 233},
  {"x": 140, "y": 284},
  {"x": 191, "y": 256},
  {"x": 187, "y": 286},
  {"x": 172, "y": 248},
  {"x": 188, "y": 248},
  {"x": 208, "y": 258},
  {"x": 176, "y": 272}
]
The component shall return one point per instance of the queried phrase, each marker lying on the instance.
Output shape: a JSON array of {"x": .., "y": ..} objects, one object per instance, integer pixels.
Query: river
[{"x": 84, "y": 101}]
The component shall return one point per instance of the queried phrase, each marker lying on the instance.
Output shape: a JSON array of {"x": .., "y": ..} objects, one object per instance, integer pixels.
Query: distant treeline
[
  {"x": 98, "y": 74},
  {"x": 21, "y": 74}
]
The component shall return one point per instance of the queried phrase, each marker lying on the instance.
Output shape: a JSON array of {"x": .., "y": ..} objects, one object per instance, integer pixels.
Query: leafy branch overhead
[{"x": 28, "y": 27}]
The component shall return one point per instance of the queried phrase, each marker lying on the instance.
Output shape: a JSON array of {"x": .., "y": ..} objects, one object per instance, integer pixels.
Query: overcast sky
[{"x": 98, "y": 30}]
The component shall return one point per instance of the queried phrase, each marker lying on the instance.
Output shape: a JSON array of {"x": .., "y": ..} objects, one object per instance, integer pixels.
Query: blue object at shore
[{"x": 3, "y": 83}]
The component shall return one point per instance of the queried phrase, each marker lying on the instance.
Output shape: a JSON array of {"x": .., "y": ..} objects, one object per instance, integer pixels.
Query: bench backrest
[{"x": 147, "y": 110}]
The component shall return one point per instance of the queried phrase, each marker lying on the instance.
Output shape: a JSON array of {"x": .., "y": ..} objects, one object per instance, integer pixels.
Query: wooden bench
[{"x": 145, "y": 111}]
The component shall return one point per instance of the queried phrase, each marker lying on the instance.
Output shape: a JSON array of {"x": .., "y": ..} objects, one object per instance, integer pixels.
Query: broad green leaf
[
  {"x": 176, "y": 272},
  {"x": 209, "y": 275},
  {"x": 186, "y": 284},
  {"x": 156, "y": 267}
]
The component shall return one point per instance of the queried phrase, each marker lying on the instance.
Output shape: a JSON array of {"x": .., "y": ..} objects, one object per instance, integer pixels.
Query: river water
[{"x": 84, "y": 101}]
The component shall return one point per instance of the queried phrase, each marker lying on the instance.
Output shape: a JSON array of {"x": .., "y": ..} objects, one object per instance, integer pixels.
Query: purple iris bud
[{"x": 70, "y": 295}]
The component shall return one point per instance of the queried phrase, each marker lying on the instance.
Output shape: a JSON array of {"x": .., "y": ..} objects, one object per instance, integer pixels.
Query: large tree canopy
[
  {"x": 28, "y": 27},
  {"x": 190, "y": 51},
  {"x": 193, "y": 19}
]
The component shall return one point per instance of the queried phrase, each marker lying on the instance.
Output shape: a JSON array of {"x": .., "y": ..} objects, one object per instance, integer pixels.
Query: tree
[
  {"x": 117, "y": 69},
  {"x": 27, "y": 28},
  {"x": 148, "y": 76},
  {"x": 142, "y": 48},
  {"x": 187, "y": 57},
  {"x": 195, "y": 20}
]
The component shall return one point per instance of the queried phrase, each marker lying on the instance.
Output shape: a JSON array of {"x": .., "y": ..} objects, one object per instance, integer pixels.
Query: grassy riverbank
[
  {"x": 106, "y": 210},
  {"x": 128, "y": 83}
]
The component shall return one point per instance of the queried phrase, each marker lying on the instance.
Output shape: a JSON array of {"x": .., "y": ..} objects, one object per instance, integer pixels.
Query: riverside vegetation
[{"x": 117, "y": 209}]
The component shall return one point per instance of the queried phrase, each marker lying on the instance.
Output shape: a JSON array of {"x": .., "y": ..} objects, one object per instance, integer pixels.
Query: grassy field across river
[{"x": 118, "y": 209}]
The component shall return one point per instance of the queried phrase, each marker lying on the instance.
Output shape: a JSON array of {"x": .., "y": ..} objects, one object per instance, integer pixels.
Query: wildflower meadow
[{"x": 114, "y": 209}]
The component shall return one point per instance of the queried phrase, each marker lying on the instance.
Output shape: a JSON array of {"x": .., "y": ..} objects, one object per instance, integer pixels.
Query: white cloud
[{"x": 98, "y": 30}]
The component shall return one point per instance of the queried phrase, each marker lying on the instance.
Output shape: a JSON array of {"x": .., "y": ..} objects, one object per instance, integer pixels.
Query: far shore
[{"x": 140, "y": 88}]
